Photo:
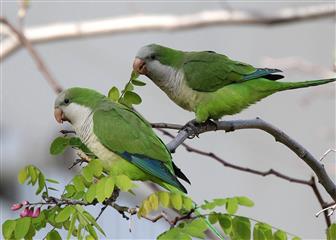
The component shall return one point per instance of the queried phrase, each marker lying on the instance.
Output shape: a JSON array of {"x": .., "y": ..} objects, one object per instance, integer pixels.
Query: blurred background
[{"x": 307, "y": 115}]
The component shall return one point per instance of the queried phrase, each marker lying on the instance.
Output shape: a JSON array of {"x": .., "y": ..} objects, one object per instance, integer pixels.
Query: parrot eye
[
  {"x": 152, "y": 56},
  {"x": 66, "y": 101}
]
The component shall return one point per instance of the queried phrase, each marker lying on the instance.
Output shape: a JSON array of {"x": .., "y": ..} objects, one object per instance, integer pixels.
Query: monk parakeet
[
  {"x": 210, "y": 84},
  {"x": 122, "y": 139}
]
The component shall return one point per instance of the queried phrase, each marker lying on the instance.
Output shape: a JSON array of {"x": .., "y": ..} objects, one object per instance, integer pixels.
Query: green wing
[
  {"x": 126, "y": 133},
  {"x": 209, "y": 71},
  {"x": 120, "y": 130}
]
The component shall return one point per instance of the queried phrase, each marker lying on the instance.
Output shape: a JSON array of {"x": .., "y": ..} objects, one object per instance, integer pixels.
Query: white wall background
[{"x": 28, "y": 126}]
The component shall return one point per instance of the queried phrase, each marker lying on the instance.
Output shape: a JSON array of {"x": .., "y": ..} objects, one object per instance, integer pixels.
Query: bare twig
[
  {"x": 325, "y": 210},
  {"x": 311, "y": 182},
  {"x": 34, "y": 54},
  {"x": 326, "y": 153},
  {"x": 257, "y": 123},
  {"x": 139, "y": 23}
]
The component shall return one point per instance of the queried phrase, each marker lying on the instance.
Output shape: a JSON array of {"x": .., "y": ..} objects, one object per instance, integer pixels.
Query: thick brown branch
[
  {"x": 151, "y": 22},
  {"x": 34, "y": 54}
]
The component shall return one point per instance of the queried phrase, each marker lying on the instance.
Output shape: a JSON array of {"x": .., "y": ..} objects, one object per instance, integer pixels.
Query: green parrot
[
  {"x": 210, "y": 84},
  {"x": 122, "y": 139}
]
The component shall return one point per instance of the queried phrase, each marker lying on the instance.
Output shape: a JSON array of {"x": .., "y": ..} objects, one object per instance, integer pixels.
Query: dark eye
[
  {"x": 66, "y": 101},
  {"x": 152, "y": 56}
]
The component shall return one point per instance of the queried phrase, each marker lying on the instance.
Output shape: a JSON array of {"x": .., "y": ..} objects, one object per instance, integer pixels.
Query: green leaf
[
  {"x": 245, "y": 201},
  {"x": 114, "y": 94},
  {"x": 8, "y": 228},
  {"x": 187, "y": 203},
  {"x": 258, "y": 234},
  {"x": 132, "y": 98},
  {"x": 232, "y": 205},
  {"x": 331, "y": 232},
  {"x": 22, "y": 227},
  {"x": 64, "y": 214},
  {"x": 52, "y": 180},
  {"x": 33, "y": 174},
  {"x": 53, "y": 235},
  {"x": 241, "y": 227},
  {"x": 78, "y": 182},
  {"x": 87, "y": 173},
  {"x": 91, "y": 230},
  {"x": 58, "y": 145},
  {"x": 225, "y": 222},
  {"x": 70, "y": 190},
  {"x": 92, "y": 220},
  {"x": 90, "y": 195},
  {"x": 22, "y": 176},
  {"x": 262, "y": 231},
  {"x": 97, "y": 167},
  {"x": 174, "y": 233},
  {"x": 41, "y": 183},
  {"x": 123, "y": 183},
  {"x": 196, "y": 228},
  {"x": 296, "y": 238},
  {"x": 176, "y": 200},
  {"x": 134, "y": 75},
  {"x": 31, "y": 233},
  {"x": 72, "y": 225},
  {"x": 138, "y": 83},
  {"x": 100, "y": 190},
  {"x": 213, "y": 217},
  {"x": 164, "y": 198},
  {"x": 280, "y": 235},
  {"x": 109, "y": 187},
  {"x": 154, "y": 201}
]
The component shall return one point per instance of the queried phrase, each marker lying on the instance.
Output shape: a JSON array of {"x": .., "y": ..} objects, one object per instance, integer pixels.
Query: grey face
[
  {"x": 62, "y": 99},
  {"x": 147, "y": 63}
]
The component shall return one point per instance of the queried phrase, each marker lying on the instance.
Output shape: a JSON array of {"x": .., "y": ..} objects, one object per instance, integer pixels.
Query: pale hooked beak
[
  {"x": 139, "y": 66},
  {"x": 59, "y": 115}
]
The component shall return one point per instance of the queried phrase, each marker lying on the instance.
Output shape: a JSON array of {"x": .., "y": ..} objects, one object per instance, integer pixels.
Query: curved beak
[
  {"x": 59, "y": 115},
  {"x": 139, "y": 66}
]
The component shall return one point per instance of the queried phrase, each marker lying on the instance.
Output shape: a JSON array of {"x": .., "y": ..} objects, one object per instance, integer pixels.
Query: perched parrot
[
  {"x": 122, "y": 139},
  {"x": 210, "y": 84}
]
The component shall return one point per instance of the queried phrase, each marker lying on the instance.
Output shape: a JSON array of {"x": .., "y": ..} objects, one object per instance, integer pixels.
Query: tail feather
[{"x": 294, "y": 85}]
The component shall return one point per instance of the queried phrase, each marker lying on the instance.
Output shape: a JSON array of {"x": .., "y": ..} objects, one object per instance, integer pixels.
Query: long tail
[{"x": 294, "y": 85}]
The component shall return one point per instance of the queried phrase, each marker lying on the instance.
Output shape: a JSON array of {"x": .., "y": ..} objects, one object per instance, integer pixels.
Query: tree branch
[
  {"x": 34, "y": 54},
  {"x": 311, "y": 182},
  {"x": 152, "y": 22},
  {"x": 257, "y": 123}
]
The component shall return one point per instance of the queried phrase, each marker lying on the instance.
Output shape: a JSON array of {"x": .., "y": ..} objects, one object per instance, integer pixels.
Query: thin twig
[
  {"x": 311, "y": 182},
  {"x": 279, "y": 135},
  {"x": 155, "y": 22},
  {"x": 34, "y": 54}
]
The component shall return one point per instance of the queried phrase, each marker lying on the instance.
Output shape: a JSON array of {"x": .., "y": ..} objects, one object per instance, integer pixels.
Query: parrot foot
[{"x": 192, "y": 128}]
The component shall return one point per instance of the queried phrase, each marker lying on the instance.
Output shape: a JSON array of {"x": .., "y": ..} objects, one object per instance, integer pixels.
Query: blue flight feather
[
  {"x": 153, "y": 167},
  {"x": 262, "y": 72}
]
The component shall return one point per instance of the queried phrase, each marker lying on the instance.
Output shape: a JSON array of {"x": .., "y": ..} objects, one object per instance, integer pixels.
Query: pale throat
[
  {"x": 172, "y": 82},
  {"x": 78, "y": 115}
]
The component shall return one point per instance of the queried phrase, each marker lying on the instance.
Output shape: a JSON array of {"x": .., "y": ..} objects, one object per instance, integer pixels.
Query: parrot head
[
  {"x": 75, "y": 104},
  {"x": 157, "y": 62}
]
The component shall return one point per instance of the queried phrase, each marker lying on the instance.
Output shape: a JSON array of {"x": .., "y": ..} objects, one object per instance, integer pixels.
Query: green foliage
[
  {"x": 231, "y": 204},
  {"x": 127, "y": 96},
  {"x": 186, "y": 230},
  {"x": 177, "y": 201},
  {"x": 331, "y": 232},
  {"x": 32, "y": 175},
  {"x": 59, "y": 145}
]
